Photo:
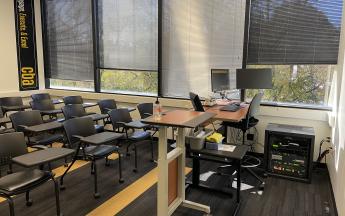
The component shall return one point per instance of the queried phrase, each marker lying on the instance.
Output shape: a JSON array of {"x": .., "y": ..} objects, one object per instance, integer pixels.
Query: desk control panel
[{"x": 289, "y": 151}]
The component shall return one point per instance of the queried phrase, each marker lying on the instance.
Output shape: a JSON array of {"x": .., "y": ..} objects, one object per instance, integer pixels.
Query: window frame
[{"x": 97, "y": 69}]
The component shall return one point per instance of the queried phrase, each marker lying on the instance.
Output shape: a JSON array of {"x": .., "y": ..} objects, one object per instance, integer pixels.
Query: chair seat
[
  {"x": 137, "y": 124},
  {"x": 100, "y": 151},
  {"x": 46, "y": 139},
  {"x": 18, "y": 182},
  {"x": 99, "y": 128},
  {"x": 242, "y": 124},
  {"x": 139, "y": 135}
]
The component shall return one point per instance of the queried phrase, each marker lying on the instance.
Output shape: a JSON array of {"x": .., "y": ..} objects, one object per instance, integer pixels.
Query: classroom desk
[
  {"x": 15, "y": 108},
  {"x": 219, "y": 156},
  {"x": 49, "y": 126},
  {"x": 40, "y": 157},
  {"x": 171, "y": 165}
]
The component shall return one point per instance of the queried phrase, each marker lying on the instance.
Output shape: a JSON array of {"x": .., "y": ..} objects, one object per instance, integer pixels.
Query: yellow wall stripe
[{"x": 122, "y": 199}]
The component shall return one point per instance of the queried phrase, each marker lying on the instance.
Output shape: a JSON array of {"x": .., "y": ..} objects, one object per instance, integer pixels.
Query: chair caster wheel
[
  {"x": 152, "y": 160},
  {"x": 107, "y": 164},
  {"x": 121, "y": 181},
  {"x": 29, "y": 203},
  {"x": 262, "y": 187},
  {"x": 65, "y": 165},
  {"x": 265, "y": 175},
  {"x": 92, "y": 172},
  {"x": 62, "y": 187},
  {"x": 135, "y": 170},
  {"x": 96, "y": 195},
  {"x": 128, "y": 154}
]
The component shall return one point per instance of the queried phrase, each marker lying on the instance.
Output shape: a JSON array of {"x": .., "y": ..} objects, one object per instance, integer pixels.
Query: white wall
[
  {"x": 336, "y": 164},
  {"x": 8, "y": 55}
]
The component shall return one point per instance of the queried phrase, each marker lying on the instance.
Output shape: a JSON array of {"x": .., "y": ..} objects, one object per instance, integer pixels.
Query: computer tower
[{"x": 289, "y": 151}]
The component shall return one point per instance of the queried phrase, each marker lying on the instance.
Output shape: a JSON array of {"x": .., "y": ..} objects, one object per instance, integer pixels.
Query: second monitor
[{"x": 220, "y": 80}]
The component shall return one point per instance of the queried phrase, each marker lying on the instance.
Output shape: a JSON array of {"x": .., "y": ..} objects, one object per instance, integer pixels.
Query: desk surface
[
  {"x": 96, "y": 116},
  {"x": 238, "y": 153},
  {"x": 44, "y": 127},
  {"x": 226, "y": 115},
  {"x": 16, "y": 108},
  {"x": 101, "y": 138},
  {"x": 180, "y": 118},
  {"x": 42, "y": 156}
]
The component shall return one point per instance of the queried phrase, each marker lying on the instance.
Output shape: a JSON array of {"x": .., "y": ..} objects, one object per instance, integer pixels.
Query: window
[
  {"x": 68, "y": 44},
  {"x": 128, "y": 46},
  {"x": 298, "y": 84},
  {"x": 129, "y": 81},
  {"x": 299, "y": 40}
]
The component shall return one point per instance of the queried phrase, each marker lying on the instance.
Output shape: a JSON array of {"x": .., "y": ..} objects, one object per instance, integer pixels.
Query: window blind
[
  {"x": 69, "y": 46},
  {"x": 294, "y": 31},
  {"x": 200, "y": 35},
  {"x": 128, "y": 34}
]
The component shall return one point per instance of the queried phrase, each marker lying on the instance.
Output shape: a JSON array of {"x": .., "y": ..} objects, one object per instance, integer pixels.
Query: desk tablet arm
[
  {"x": 39, "y": 147},
  {"x": 22, "y": 128}
]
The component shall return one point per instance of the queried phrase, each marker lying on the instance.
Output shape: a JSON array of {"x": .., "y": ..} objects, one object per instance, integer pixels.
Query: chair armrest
[
  {"x": 149, "y": 114},
  {"x": 78, "y": 137}
]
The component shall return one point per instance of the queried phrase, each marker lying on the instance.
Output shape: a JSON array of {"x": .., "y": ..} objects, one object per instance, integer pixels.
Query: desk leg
[
  {"x": 196, "y": 172},
  {"x": 162, "y": 185},
  {"x": 238, "y": 190}
]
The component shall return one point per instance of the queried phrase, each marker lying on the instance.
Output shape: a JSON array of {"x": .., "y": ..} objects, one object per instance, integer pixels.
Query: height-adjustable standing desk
[{"x": 171, "y": 165}]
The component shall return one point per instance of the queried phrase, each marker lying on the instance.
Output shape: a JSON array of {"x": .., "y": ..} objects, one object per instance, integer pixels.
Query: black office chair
[
  {"x": 73, "y": 100},
  {"x": 244, "y": 125},
  {"x": 23, "y": 119},
  {"x": 40, "y": 96},
  {"x": 3, "y": 124},
  {"x": 11, "y": 101},
  {"x": 105, "y": 106},
  {"x": 77, "y": 110},
  {"x": 77, "y": 128},
  {"x": 146, "y": 110},
  {"x": 197, "y": 105},
  {"x": 12, "y": 145},
  {"x": 121, "y": 118},
  {"x": 46, "y": 105}
]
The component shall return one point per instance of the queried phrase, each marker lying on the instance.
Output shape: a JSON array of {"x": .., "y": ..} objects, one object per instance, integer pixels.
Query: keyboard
[{"x": 231, "y": 107}]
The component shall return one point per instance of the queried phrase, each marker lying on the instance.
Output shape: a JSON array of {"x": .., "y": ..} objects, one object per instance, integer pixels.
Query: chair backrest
[
  {"x": 73, "y": 100},
  {"x": 1, "y": 112},
  {"x": 78, "y": 127},
  {"x": 145, "y": 110},
  {"x": 11, "y": 101},
  {"x": 40, "y": 96},
  {"x": 196, "y": 102},
  {"x": 45, "y": 104},
  {"x": 26, "y": 118},
  {"x": 11, "y": 145},
  {"x": 106, "y": 105},
  {"x": 254, "y": 106},
  {"x": 119, "y": 115},
  {"x": 73, "y": 110}
]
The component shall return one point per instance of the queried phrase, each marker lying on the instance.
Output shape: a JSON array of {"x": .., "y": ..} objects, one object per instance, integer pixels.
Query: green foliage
[
  {"x": 305, "y": 84},
  {"x": 129, "y": 81}
]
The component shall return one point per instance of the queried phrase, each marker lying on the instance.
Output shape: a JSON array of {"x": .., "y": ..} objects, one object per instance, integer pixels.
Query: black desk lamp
[{"x": 253, "y": 78}]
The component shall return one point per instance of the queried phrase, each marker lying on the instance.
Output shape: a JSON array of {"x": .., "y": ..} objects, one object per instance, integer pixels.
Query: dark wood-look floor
[{"x": 281, "y": 197}]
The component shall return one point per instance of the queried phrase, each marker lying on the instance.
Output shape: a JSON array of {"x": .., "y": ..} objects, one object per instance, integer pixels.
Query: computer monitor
[
  {"x": 220, "y": 80},
  {"x": 254, "y": 78}
]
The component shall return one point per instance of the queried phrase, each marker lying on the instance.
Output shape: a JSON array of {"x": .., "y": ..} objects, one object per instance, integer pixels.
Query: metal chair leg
[
  {"x": 92, "y": 168},
  {"x": 57, "y": 196},
  {"x": 28, "y": 200},
  {"x": 120, "y": 168},
  {"x": 151, "y": 142},
  {"x": 96, "y": 194},
  {"x": 11, "y": 205},
  {"x": 135, "y": 159},
  {"x": 107, "y": 161}
]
